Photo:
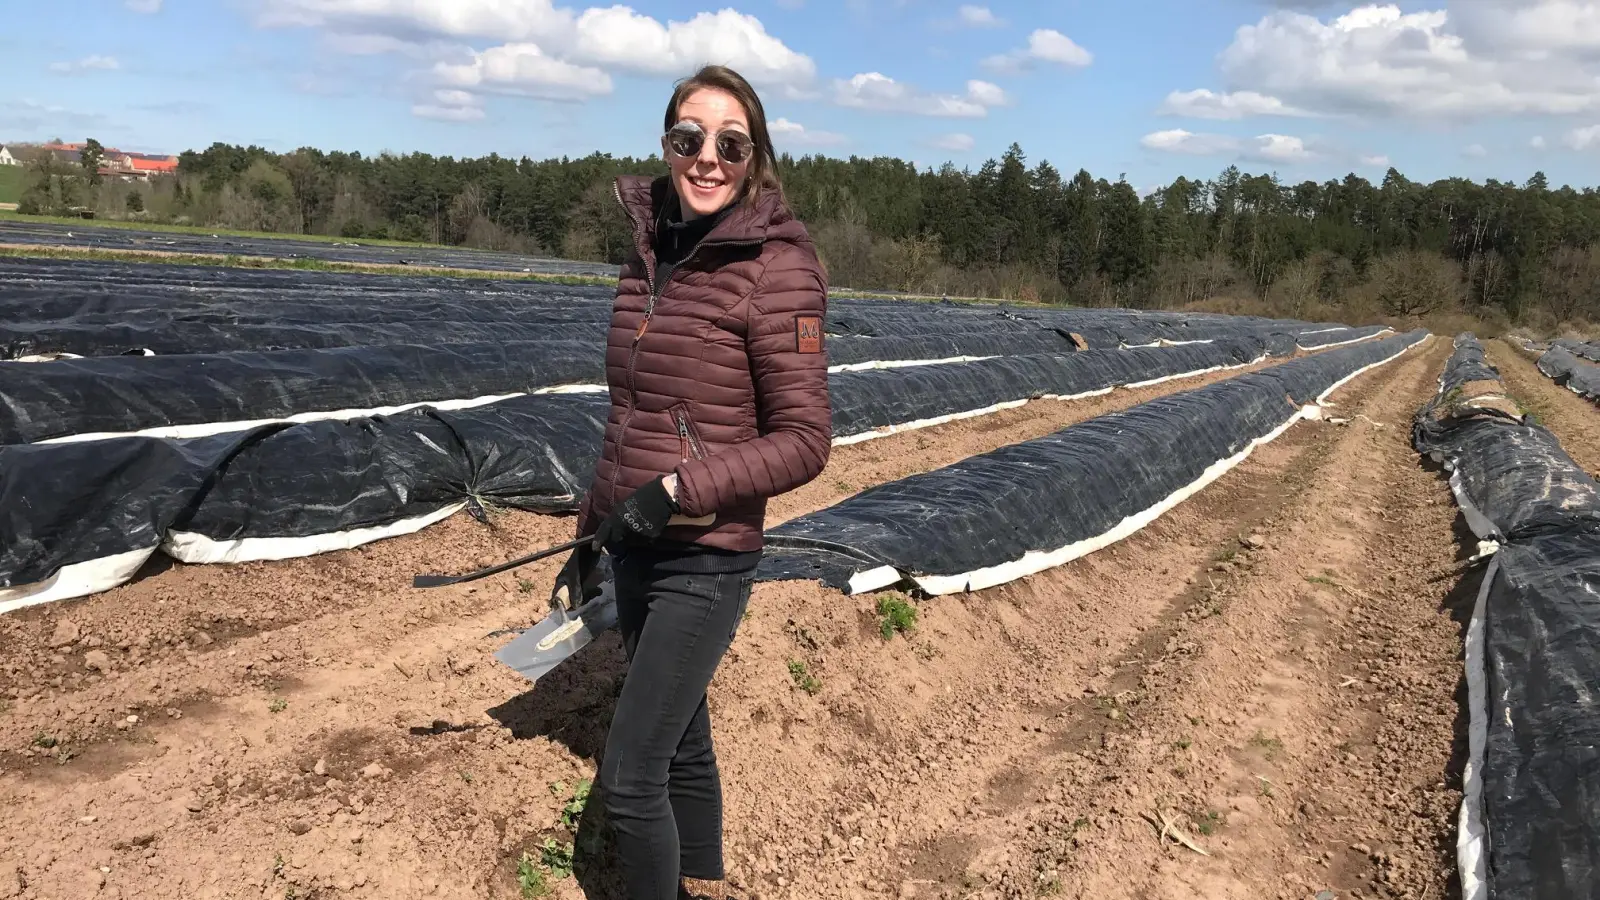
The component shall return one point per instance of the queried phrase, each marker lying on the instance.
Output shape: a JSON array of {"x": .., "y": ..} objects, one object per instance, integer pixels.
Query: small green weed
[
  {"x": 1270, "y": 746},
  {"x": 525, "y": 585},
  {"x": 803, "y": 680},
  {"x": 895, "y": 616},
  {"x": 466, "y": 776},
  {"x": 573, "y": 811},
  {"x": 277, "y": 864},
  {"x": 845, "y": 486},
  {"x": 1322, "y": 580},
  {"x": 289, "y": 893},
  {"x": 1080, "y": 823},
  {"x": 556, "y": 857},
  {"x": 529, "y": 878},
  {"x": 278, "y": 705},
  {"x": 1183, "y": 744},
  {"x": 1266, "y": 787},
  {"x": 46, "y": 741},
  {"x": 1208, "y": 823},
  {"x": 1226, "y": 555}
]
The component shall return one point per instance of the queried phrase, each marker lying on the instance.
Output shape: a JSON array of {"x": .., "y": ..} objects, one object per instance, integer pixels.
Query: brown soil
[
  {"x": 317, "y": 729},
  {"x": 1573, "y": 420}
]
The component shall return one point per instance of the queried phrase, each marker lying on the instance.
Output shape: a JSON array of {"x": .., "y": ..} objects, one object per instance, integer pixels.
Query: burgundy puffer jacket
[{"x": 719, "y": 373}]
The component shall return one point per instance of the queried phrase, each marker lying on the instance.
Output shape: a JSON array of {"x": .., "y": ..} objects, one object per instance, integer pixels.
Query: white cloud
[
  {"x": 1474, "y": 151},
  {"x": 1583, "y": 138},
  {"x": 87, "y": 64},
  {"x": 451, "y": 106},
  {"x": 785, "y": 132},
  {"x": 525, "y": 70},
  {"x": 955, "y": 142},
  {"x": 1177, "y": 140},
  {"x": 1375, "y": 162},
  {"x": 1280, "y": 148},
  {"x": 1044, "y": 45},
  {"x": 1477, "y": 58},
  {"x": 1538, "y": 142},
  {"x": 978, "y": 17},
  {"x": 616, "y": 38},
  {"x": 145, "y": 7},
  {"x": 876, "y": 91},
  {"x": 1268, "y": 148},
  {"x": 1206, "y": 104}
]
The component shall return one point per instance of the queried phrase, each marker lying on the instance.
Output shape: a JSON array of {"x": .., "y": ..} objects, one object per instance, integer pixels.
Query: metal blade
[{"x": 559, "y": 635}]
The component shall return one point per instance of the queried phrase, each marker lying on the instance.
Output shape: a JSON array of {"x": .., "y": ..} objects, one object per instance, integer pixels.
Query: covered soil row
[{"x": 317, "y": 727}]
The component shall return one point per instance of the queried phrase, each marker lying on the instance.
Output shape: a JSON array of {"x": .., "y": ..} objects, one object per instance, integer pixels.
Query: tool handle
[{"x": 432, "y": 581}]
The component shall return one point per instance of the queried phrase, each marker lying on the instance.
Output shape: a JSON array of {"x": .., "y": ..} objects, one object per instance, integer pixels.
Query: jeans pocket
[{"x": 747, "y": 583}]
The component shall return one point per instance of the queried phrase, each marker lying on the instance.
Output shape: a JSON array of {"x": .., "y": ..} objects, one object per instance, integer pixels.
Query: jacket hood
[{"x": 768, "y": 218}]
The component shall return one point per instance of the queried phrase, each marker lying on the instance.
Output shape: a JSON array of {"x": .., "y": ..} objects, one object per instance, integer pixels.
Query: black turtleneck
[{"x": 676, "y": 239}]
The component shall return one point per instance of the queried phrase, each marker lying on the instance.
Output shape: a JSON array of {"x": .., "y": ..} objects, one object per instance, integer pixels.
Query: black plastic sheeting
[
  {"x": 535, "y": 453},
  {"x": 40, "y": 401},
  {"x": 61, "y": 506},
  {"x": 105, "y": 309},
  {"x": 1077, "y": 484},
  {"x": 1541, "y": 629},
  {"x": 1571, "y": 372},
  {"x": 88, "y": 236},
  {"x": 528, "y": 452},
  {"x": 1589, "y": 350}
]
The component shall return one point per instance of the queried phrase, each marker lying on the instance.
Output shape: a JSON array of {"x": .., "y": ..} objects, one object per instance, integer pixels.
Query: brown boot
[{"x": 696, "y": 889}]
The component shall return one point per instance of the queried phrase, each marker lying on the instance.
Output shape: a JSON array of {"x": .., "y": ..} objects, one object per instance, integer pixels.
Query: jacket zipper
[
  {"x": 691, "y": 444},
  {"x": 649, "y": 312}
]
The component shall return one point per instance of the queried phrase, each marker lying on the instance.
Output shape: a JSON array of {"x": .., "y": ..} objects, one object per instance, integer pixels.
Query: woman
[{"x": 719, "y": 400}]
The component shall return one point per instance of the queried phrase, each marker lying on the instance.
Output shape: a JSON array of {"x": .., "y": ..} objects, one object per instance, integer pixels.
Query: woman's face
[{"x": 706, "y": 182}]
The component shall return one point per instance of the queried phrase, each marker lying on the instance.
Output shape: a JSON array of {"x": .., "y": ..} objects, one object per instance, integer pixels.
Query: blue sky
[{"x": 1150, "y": 88}]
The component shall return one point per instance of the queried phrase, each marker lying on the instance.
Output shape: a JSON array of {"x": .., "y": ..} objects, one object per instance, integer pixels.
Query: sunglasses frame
[{"x": 696, "y": 132}]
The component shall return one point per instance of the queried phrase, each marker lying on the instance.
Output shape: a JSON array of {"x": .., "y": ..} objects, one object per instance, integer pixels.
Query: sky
[{"x": 1146, "y": 89}]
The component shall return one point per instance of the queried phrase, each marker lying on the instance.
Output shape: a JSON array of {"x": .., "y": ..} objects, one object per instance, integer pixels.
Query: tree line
[{"x": 1527, "y": 253}]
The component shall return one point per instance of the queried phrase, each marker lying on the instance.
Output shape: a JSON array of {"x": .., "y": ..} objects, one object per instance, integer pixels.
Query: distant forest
[{"x": 1347, "y": 248}]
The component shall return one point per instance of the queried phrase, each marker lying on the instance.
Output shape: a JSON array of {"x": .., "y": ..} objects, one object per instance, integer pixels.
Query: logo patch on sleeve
[{"x": 808, "y": 334}]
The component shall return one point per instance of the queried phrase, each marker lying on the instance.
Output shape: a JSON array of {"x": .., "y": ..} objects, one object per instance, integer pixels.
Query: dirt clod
[{"x": 66, "y": 633}]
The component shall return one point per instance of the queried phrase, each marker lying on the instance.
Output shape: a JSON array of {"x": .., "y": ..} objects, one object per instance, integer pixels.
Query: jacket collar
[{"x": 646, "y": 201}]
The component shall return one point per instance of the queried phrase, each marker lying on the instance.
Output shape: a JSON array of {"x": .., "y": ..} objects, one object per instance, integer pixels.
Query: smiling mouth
[{"x": 704, "y": 183}]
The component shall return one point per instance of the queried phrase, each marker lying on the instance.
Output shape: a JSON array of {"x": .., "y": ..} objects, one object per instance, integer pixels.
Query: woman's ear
[{"x": 664, "y": 154}]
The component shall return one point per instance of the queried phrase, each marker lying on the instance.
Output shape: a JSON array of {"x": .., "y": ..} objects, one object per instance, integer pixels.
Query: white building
[{"x": 6, "y": 159}]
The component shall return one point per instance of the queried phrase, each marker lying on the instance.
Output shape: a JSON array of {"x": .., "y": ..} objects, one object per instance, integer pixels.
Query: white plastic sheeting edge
[
  {"x": 1195, "y": 374},
  {"x": 197, "y": 548},
  {"x": 907, "y": 363},
  {"x": 1472, "y": 833},
  {"x": 76, "y": 580},
  {"x": 1034, "y": 562},
  {"x": 204, "y": 429},
  {"x": 1384, "y": 333}
]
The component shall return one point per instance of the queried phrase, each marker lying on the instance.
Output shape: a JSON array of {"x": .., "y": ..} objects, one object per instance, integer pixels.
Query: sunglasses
[{"x": 686, "y": 138}]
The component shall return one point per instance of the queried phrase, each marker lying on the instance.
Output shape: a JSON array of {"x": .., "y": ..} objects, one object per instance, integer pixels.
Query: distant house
[
  {"x": 6, "y": 159},
  {"x": 115, "y": 163}
]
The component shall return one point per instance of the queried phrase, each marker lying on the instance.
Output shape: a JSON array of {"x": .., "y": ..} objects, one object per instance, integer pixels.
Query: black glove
[
  {"x": 640, "y": 518},
  {"x": 577, "y": 582}
]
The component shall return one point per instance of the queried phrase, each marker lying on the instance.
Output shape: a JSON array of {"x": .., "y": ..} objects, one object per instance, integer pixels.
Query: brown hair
[{"x": 763, "y": 173}]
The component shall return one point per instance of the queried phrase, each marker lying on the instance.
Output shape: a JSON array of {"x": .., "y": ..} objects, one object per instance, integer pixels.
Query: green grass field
[
  {"x": 178, "y": 229},
  {"x": 10, "y": 184}
]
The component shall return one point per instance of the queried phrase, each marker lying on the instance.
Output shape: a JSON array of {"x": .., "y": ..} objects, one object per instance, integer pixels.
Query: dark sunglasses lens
[
  {"x": 733, "y": 146},
  {"x": 686, "y": 140}
]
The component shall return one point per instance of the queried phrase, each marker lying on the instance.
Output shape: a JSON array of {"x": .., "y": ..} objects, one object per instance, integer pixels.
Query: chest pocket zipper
[{"x": 688, "y": 441}]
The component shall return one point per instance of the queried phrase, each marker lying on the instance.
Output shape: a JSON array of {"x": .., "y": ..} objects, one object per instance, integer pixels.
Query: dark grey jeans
[{"x": 663, "y": 792}]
